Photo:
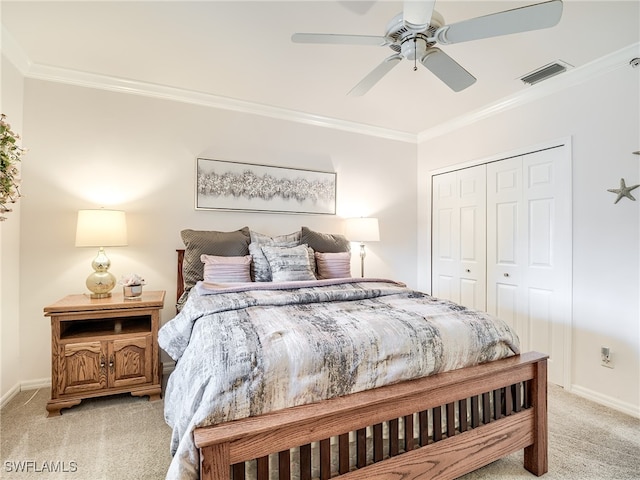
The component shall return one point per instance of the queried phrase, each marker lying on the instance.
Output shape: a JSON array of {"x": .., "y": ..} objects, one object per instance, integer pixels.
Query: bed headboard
[{"x": 180, "y": 278}]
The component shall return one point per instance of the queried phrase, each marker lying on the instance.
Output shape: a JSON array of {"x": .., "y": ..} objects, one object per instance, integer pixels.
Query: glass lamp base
[{"x": 100, "y": 284}]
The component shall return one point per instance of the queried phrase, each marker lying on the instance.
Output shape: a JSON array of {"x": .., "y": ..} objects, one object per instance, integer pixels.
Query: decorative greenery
[{"x": 10, "y": 155}]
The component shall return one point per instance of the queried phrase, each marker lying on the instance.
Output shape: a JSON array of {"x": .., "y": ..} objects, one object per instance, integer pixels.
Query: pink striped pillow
[
  {"x": 226, "y": 269},
  {"x": 333, "y": 265}
]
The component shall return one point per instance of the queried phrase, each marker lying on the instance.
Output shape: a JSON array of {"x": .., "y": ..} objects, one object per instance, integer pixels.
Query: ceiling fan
[{"x": 413, "y": 33}]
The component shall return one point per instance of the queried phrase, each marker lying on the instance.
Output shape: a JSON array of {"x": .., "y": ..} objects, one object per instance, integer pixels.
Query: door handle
[
  {"x": 506, "y": 274},
  {"x": 468, "y": 270}
]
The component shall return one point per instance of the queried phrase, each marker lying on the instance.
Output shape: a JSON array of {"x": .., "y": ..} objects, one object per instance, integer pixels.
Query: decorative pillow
[
  {"x": 289, "y": 264},
  {"x": 226, "y": 269},
  {"x": 333, "y": 265},
  {"x": 260, "y": 271},
  {"x": 198, "y": 242},
  {"x": 325, "y": 242}
]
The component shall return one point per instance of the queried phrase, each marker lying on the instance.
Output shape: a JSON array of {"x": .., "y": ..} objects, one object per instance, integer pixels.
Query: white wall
[
  {"x": 11, "y": 106},
  {"x": 92, "y": 148},
  {"x": 602, "y": 117}
]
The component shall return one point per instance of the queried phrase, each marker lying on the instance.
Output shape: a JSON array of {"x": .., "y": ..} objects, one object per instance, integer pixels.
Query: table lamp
[
  {"x": 362, "y": 230},
  {"x": 101, "y": 228}
]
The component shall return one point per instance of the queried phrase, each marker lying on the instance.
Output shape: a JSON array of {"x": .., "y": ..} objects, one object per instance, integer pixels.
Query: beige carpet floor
[{"x": 124, "y": 437}]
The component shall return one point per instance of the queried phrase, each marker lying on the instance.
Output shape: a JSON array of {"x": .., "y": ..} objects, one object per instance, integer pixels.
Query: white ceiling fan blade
[
  {"x": 524, "y": 19},
  {"x": 375, "y": 75},
  {"x": 417, "y": 14},
  {"x": 338, "y": 39},
  {"x": 447, "y": 69}
]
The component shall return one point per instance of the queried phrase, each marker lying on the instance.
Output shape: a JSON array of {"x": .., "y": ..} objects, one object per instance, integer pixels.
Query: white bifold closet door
[
  {"x": 529, "y": 254},
  {"x": 501, "y": 242},
  {"x": 459, "y": 237}
]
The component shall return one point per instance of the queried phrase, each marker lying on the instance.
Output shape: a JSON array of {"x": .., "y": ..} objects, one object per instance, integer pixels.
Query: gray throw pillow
[
  {"x": 325, "y": 242},
  {"x": 206, "y": 242}
]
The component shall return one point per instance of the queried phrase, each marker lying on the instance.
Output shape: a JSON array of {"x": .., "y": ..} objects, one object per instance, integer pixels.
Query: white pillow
[
  {"x": 289, "y": 264},
  {"x": 333, "y": 265},
  {"x": 226, "y": 269}
]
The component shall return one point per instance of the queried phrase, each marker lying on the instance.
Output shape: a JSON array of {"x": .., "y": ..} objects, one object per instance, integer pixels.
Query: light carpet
[{"x": 124, "y": 437}]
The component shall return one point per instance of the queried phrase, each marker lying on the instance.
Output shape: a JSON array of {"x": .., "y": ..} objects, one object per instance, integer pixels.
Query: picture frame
[{"x": 226, "y": 185}]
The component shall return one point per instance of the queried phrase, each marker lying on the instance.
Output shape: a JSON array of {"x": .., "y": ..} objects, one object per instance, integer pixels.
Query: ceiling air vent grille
[{"x": 545, "y": 72}]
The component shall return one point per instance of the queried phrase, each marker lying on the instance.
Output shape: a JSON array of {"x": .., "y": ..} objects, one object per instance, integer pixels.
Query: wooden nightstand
[{"x": 104, "y": 346}]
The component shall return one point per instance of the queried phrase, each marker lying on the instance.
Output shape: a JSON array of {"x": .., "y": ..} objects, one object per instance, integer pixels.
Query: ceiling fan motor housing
[{"x": 410, "y": 44}]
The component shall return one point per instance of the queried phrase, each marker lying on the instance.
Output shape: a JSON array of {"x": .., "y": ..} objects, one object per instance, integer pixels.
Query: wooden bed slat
[
  {"x": 394, "y": 447},
  {"x": 343, "y": 453},
  {"x": 378, "y": 442},
  {"x": 463, "y": 416},
  {"x": 284, "y": 465},
  {"x": 305, "y": 462},
  {"x": 408, "y": 432},
  {"x": 263, "y": 468},
  {"x": 361, "y": 447},
  {"x": 437, "y": 424},
  {"x": 325, "y": 459}
]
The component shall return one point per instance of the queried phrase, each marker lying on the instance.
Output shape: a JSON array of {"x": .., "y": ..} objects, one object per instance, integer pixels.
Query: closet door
[
  {"x": 529, "y": 250},
  {"x": 459, "y": 236}
]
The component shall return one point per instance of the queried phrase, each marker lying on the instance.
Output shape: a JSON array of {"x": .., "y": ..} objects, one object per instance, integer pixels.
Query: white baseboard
[
  {"x": 167, "y": 368},
  {"x": 614, "y": 403},
  {"x": 13, "y": 391},
  {"x": 25, "y": 385}
]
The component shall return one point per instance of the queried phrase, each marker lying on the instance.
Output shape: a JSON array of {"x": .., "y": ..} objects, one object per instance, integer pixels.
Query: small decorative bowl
[{"x": 132, "y": 292}]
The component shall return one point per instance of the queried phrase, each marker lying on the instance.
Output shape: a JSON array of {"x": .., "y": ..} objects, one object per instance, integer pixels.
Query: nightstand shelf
[{"x": 103, "y": 347}]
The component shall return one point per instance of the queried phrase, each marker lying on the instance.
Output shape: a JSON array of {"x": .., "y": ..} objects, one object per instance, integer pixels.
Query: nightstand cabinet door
[
  {"x": 130, "y": 361},
  {"x": 83, "y": 367}
]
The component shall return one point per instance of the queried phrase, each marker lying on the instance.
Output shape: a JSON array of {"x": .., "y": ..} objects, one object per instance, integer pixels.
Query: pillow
[
  {"x": 222, "y": 244},
  {"x": 226, "y": 269},
  {"x": 333, "y": 265},
  {"x": 260, "y": 271},
  {"x": 325, "y": 242},
  {"x": 289, "y": 264}
]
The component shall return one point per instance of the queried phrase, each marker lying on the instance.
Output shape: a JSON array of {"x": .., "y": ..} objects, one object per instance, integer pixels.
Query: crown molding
[
  {"x": 13, "y": 52},
  {"x": 18, "y": 57},
  {"x": 568, "y": 79}
]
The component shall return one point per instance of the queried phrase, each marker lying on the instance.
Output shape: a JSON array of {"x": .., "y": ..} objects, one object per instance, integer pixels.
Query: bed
[{"x": 447, "y": 416}]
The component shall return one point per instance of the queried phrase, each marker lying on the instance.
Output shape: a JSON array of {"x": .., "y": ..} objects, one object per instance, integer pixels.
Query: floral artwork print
[{"x": 242, "y": 186}]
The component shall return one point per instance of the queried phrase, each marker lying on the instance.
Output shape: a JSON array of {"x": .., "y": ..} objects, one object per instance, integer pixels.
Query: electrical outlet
[{"x": 605, "y": 357}]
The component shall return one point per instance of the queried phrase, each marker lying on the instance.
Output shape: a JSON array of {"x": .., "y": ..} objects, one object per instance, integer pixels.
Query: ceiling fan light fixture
[{"x": 545, "y": 72}]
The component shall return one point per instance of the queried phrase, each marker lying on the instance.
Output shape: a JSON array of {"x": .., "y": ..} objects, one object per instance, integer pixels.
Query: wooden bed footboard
[{"x": 438, "y": 427}]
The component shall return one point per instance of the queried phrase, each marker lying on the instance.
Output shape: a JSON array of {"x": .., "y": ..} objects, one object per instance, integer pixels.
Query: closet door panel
[
  {"x": 445, "y": 237},
  {"x": 459, "y": 238}
]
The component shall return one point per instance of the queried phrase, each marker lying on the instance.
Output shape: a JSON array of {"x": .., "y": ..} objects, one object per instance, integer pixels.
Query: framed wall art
[{"x": 224, "y": 185}]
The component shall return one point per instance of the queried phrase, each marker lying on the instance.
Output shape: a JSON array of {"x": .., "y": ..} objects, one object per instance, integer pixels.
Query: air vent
[{"x": 545, "y": 72}]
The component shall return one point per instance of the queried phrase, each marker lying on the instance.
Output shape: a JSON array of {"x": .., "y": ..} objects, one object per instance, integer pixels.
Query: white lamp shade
[
  {"x": 101, "y": 228},
  {"x": 362, "y": 229}
]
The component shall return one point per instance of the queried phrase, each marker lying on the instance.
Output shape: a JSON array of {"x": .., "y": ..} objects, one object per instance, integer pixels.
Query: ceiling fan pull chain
[{"x": 415, "y": 53}]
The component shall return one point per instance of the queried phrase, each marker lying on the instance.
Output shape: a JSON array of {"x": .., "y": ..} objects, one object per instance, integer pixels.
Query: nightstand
[{"x": 104, "y": 346}]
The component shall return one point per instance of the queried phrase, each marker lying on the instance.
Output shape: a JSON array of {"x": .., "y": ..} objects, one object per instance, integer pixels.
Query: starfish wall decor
[{"x": 623, "y": 191}]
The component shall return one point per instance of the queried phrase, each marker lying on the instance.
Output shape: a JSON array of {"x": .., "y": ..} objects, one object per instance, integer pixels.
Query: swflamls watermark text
[{"x": 34, "y": 466}]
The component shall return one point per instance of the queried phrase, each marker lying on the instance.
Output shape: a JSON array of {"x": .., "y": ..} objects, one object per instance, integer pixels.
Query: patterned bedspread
[{"x": 255, "y": 348}]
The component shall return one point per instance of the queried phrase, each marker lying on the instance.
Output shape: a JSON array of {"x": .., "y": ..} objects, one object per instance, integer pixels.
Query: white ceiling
[{"x": 242, "y": 50}]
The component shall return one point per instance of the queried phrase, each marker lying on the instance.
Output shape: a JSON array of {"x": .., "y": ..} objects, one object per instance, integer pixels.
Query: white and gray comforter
[{"x": 251, "y": 349}]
